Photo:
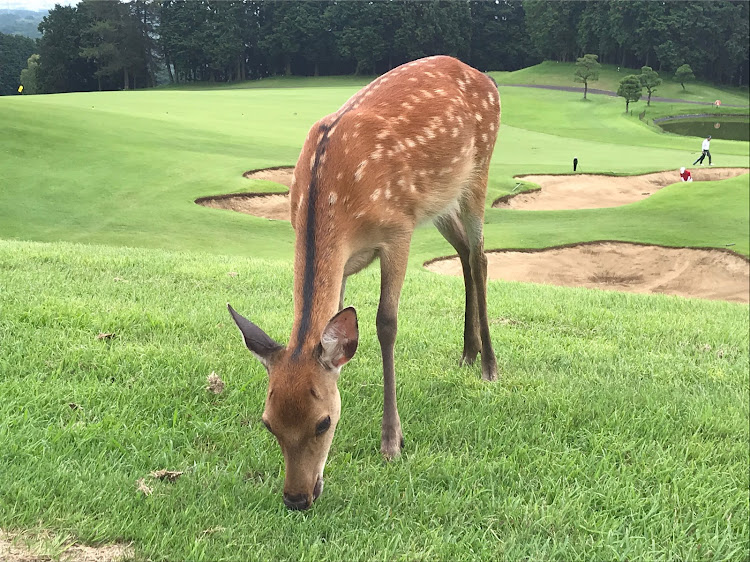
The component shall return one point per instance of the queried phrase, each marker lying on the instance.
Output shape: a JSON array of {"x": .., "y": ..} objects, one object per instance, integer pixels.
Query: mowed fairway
[{"x": 618, "y": 428}]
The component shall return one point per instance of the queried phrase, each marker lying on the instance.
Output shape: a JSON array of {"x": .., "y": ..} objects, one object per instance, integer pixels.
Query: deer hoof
[
  {"x": 467, "y": 359},
  {"x": 489, "y": 373},
  {"x": 391, "y": 447}
]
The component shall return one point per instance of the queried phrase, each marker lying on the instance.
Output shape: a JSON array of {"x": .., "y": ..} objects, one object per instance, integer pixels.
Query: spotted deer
[{"x": 414, "y": 145}]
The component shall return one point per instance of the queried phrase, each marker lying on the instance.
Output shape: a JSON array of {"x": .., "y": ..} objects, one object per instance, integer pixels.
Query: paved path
[{"x": 610, "y": 93}]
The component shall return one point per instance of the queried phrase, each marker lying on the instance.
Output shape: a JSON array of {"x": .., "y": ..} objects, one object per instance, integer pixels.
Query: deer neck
[{"x": 318, "y": 274}]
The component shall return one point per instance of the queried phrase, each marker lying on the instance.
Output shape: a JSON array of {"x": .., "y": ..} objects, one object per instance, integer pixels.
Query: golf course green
[{"x": 617, "y": 429}]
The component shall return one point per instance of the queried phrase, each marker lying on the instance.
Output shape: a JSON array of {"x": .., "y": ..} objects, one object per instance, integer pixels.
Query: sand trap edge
[{"x": 590, "y": 243}]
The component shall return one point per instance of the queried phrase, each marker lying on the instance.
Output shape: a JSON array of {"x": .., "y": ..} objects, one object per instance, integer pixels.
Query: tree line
[{"x": 139, "y": 43}]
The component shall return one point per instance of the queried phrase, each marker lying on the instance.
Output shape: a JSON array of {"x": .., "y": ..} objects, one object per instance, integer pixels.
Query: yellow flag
[{"x": 20, "y": 88}]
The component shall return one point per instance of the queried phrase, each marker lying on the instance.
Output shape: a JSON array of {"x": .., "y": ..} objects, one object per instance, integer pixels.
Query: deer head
[{"x": 303, "y": 404}]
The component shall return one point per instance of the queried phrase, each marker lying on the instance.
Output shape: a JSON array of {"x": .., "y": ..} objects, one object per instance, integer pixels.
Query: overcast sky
[{"x": 33, "y": 4}]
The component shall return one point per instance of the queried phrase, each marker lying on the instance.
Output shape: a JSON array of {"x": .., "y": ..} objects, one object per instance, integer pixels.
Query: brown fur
[{"x": 414, "y": 145}]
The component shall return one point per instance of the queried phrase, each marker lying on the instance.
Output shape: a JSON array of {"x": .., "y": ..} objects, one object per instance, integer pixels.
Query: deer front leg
[{"x": 393, "y": 262}]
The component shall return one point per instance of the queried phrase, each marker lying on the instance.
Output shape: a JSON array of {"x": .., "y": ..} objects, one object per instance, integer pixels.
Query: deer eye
[{"x": 323, "y": 426}]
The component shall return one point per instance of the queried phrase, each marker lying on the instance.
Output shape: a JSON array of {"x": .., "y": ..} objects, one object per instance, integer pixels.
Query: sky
[{"x": 33, "y": 4}]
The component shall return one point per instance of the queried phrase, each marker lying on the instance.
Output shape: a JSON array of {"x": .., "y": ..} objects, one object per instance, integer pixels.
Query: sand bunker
[
  {"x": 557, "y": 193},
  {"x": 588, "y": 191},
  {"x": 267, "y": 205},
  {"x": 621, "y": 266},
  {"x": 688, "y": 272}
]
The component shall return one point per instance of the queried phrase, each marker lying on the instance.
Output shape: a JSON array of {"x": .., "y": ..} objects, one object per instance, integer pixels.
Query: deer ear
[
  {"x": 256, "y": 340},
  {"x": 339, "y": 340}
]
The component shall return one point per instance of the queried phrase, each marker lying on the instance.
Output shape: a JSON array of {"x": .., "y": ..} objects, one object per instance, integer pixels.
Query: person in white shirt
[{"x": 706, "y": 152}]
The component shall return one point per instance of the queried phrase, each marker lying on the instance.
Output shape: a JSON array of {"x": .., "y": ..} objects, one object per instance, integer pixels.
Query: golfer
[
  {"x": 706, "y": 152},
  {"x": 685, "y": 175}
]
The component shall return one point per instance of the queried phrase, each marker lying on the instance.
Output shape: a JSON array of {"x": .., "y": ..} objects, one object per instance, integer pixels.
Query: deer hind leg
[
  {"x": 452, "y": 230},
  {"x": 472, "y": 219},
  {"x": 393, "y": 260}
]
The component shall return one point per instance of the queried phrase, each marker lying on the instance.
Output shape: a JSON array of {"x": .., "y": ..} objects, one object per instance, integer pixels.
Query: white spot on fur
[
  {"x": 410, "y": 143},
  {"x": 332, "y": 198},
  {"x": 360, "y": 170},
  {"x": 441, "y": 92},
  {"x": 454, "y": 132},
  {"x": 374, "y": 195},
  {"x": 426, "y": 94},
  {"x": 407, "y": 106},
  {"x": 478, "y": 117},
  {"x": 387, "y": 193},
  {"x": 359, "y": 215},
  {"x": 485, "y": 104},
  {"x": 382, "y": 134},
  {"x": 491, "y": 97},
  {"x": 484, "y": 137},
  {"x": 421, "y": 139},
  {"x": 492, "y": 126},
  {"x": 429, "y": 133},
  {"x": 339, "y": 175},
  {"x": 312, "y": 161}
]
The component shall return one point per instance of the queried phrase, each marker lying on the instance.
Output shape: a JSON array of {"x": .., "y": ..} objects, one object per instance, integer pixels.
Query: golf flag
[{"x": 20, "y": 89}]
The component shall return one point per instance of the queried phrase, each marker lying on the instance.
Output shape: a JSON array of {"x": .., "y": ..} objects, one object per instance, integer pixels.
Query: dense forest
[{"x": 122, "y": 45}]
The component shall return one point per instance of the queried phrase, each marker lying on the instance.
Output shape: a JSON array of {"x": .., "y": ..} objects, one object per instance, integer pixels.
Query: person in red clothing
[{"x": 685, "y": 175}]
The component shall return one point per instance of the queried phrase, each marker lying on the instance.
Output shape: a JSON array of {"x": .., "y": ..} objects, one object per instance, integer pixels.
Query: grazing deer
[{"x": 414, "y": 145}]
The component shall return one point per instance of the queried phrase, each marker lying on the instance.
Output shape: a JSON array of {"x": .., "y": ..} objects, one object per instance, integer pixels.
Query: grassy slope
[
  {"x": 123, "y": 168},
  {"x": 561, "y": 74},
  {"x": 619, "y": 428}
]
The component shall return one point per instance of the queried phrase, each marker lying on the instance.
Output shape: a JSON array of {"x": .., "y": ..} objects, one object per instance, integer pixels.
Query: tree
[
  {"x": 587, "y": 70},
  {"x": 30, "y": 75},
  {"x": 630, "y": 89},
  {"x": 62, "y": 67},
  {"x": 15, "y": 51},
  {"x": 650, "y": 80},
  {"x": 552, "y": 27},
  {"x": 684, "y": 74},
  {"x": 499, "y": 40}
]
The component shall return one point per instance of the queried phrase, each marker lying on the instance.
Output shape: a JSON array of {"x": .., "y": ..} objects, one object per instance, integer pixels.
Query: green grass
[
  {"x": 123, "y": 168},
  {"x": 618, "y": 430}
]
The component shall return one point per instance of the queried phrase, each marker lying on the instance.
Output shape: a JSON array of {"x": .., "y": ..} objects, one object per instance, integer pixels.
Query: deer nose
[{"x": 297, "y": 501}]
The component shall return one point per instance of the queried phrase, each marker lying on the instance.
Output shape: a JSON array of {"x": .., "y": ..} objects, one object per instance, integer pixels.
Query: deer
[{"x": 412, "y": 146}]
